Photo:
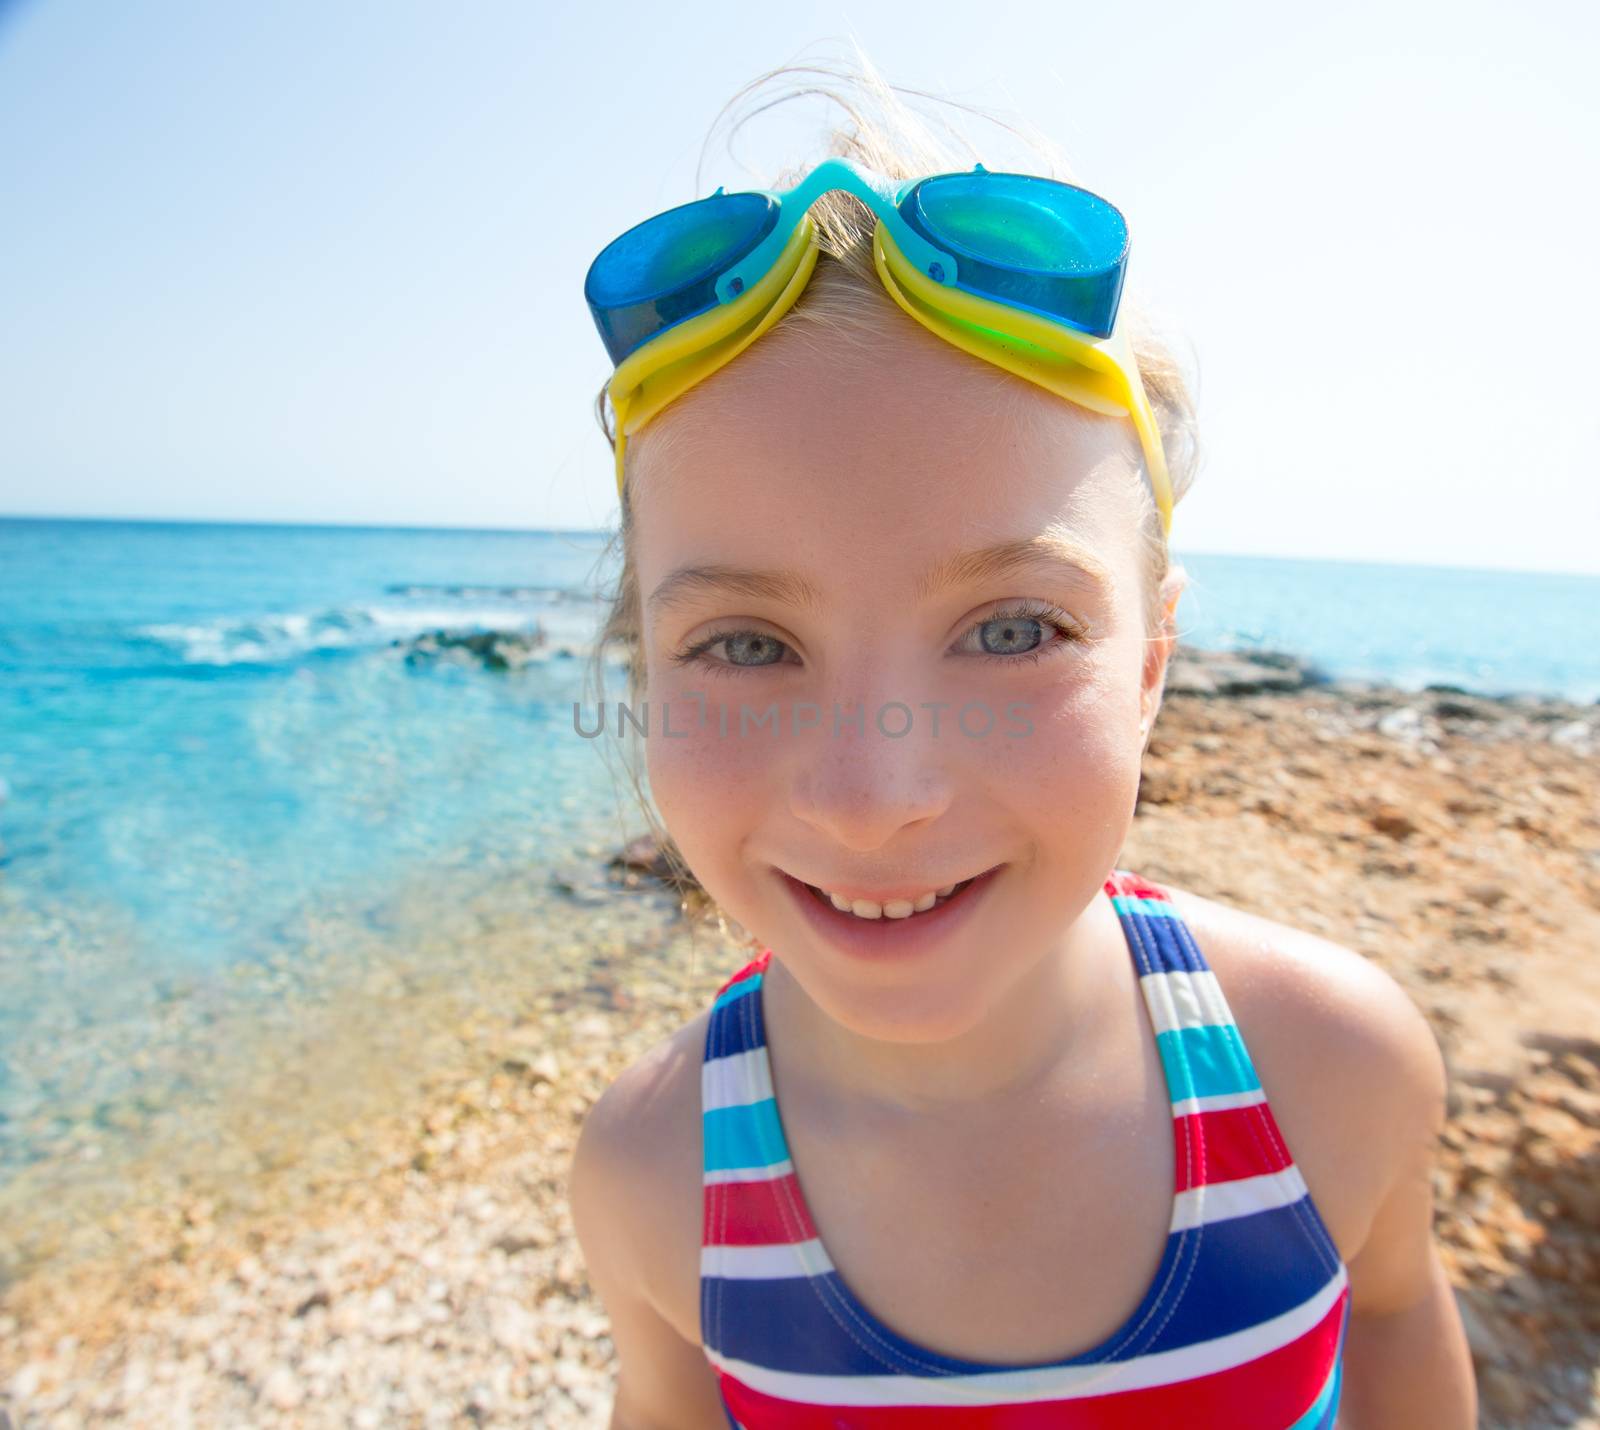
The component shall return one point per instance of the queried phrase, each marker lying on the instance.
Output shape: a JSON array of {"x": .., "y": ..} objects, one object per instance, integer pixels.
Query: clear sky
[{"x": 323, "y": 262}]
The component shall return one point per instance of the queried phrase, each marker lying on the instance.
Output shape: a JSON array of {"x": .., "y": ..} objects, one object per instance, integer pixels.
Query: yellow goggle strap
[
  {"x": 1098, "y": 373},
  {"x": 669, "y": 365}
]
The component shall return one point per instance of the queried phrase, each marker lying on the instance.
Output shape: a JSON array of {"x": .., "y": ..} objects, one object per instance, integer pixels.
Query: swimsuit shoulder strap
[{"x": 1199, "y": 1039}]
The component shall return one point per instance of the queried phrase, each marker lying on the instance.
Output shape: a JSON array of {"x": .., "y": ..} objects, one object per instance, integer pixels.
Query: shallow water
[{"x": 231, "y": 801}]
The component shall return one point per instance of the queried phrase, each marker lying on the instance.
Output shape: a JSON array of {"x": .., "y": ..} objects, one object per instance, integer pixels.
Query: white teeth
[{"x": 894, "y": 909}]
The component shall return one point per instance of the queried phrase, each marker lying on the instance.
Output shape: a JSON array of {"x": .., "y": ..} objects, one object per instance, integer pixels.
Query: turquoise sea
[{"x": 223, "y": 780}]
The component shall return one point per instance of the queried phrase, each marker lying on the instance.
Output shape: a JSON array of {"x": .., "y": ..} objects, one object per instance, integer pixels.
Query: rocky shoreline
[{"x": 1452, "y": 837}]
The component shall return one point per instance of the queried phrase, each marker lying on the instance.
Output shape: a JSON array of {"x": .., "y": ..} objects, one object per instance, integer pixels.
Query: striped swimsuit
[{"x": 1243, "y": 1326}]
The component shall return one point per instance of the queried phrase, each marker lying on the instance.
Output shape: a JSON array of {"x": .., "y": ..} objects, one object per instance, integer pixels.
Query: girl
[{"x": 974, "y": 1137}]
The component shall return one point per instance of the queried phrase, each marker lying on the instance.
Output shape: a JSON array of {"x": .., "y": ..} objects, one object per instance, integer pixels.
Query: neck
[{"x": 1040, "y": 1023}]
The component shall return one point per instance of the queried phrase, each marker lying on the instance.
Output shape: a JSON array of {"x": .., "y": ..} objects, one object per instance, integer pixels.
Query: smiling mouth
[
  {"x": 865, "y": 914},
  {"x": 868, "y": 911}
]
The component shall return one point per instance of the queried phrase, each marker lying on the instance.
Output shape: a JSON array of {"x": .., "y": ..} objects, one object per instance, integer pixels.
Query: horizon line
[{"x": 272, "y": 523}]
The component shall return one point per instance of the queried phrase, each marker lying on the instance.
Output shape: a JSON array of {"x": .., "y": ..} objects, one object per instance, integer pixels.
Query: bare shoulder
[
  {"x": 1311, "y": 986},
  {"x": 1354, "y": 1075},
  {"x": 636, "y": 1176},
  {"x": 635, "y": 1193}
]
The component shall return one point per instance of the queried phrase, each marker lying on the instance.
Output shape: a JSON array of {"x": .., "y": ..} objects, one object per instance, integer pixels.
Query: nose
[{"x": 860, "y": 786}]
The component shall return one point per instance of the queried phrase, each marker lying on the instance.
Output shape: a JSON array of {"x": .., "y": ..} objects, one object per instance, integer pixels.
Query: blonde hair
[{"x": 845, "y": 299}]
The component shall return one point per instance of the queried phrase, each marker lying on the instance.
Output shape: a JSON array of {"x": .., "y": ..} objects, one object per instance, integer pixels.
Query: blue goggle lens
[
  {"x": 1028, "y": 241},
  {"x": 665, "y": 269},
  {"x": 1033, "y": 243}
]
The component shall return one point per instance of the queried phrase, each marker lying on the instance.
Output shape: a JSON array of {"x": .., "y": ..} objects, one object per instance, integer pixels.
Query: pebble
[{"x": 283, "y": 1390}]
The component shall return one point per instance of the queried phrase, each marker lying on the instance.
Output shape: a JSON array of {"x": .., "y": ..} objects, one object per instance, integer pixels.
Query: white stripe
[
  {"x": 768, "y": 1173},
  {"x": 735, "y": 1080},
  {"x": 763, "y": 1263},
  {"x": 1218, "y": 1201},
  {"x": 1218, "y": 1101},
  {"x": 1184, "y": 1000},
  {"x": 1025, "y": 1386}
]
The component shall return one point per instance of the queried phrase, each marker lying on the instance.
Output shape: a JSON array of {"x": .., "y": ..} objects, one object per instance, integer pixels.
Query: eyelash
[{"x": 1033, "y": 610}]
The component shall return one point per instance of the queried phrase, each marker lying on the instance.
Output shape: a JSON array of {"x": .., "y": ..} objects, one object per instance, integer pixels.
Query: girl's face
[{"x": 810, "y": 523}]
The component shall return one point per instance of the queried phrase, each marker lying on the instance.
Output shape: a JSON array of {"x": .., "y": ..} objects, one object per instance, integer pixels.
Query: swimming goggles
[{"x": 1023, "y": 271}]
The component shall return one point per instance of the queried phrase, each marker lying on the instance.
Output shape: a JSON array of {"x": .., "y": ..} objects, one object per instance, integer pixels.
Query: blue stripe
[
  {"x": 749, "y": 1135},
  {"x": 735, "y": 1027},
  {"x": 726, "y": 1036},
  {"x": 798, "y": 1323},
  {"x": 780, "y": 1323},
  {"x": 1157, "y": 935},
  {"x": 1247, "y": 1269},
  {"x": 1204, "y": 1060}
]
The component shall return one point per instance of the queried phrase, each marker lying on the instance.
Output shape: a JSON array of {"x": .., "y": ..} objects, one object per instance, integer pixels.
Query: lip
[{"x": 885, "y": 938}]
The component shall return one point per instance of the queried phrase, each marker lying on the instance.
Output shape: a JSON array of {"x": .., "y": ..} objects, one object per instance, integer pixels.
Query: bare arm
[
  {"x": 1406, "y": 1358},
  {"x": 664, "y": 1382}
]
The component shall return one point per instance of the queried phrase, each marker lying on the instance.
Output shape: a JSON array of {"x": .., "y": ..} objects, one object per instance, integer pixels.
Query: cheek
[
  {"x": 1076, "y": 770},
  {"x": 710, "y": 787}
]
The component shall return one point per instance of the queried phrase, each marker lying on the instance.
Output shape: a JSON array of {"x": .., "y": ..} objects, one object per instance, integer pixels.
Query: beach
[{"x": 424, "y": 1272}]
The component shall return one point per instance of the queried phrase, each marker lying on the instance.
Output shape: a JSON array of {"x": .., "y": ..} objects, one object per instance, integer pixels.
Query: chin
[{"x": 933, "y": 1011}]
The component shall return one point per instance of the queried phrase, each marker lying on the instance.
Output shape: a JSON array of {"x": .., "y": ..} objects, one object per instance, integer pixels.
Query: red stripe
[
  {"x": 1227, "y": 1144},
  {"x": 1266, "y": 1393},
  {"x": 755, "y": 1213},
  {"x": 756, "y": 965},
  {"x": 1273, "y": 1133},
  {"x": 1133, "y": 885}
]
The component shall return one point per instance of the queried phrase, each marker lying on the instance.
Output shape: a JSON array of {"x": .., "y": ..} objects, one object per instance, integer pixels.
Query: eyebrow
[{"x": 1047, "y": 552}]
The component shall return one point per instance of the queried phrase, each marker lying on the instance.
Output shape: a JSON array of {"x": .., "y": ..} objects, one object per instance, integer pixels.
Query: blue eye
[
  {"x": 748, "y": 650},
  {"x": 1011, "y": 635},
  {"x": 1022, "y": 632},
  {"x": 760, "y": 648},
  {"x": 1019, "y": 633}
]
